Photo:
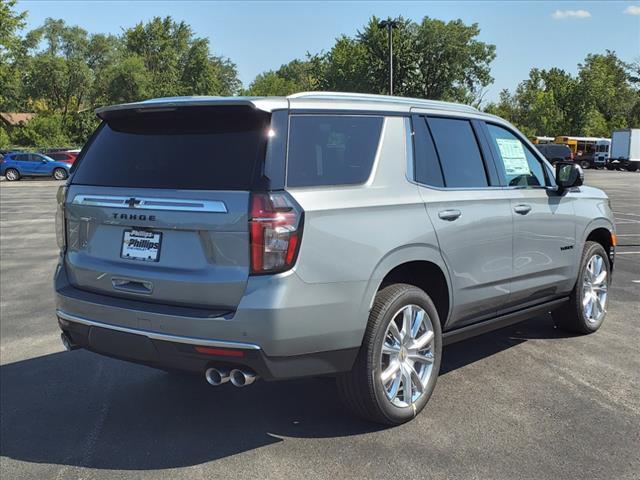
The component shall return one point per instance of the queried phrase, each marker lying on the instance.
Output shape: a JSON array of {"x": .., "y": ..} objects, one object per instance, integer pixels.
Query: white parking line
[
  {"x": 626, "y": 253},
  {"x": 624, "y": 213},
  {"x": 629, "y": 235}
]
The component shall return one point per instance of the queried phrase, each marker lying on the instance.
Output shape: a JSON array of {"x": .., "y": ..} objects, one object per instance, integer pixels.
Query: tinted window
[
  {"x": 216, "y": 148},
  {"x": 519, "y": 165},
  {"x": 58, "y": 156},
  {"x": 459, "y": 153},
  {"x": 331, "y": 149},
  {"x": 427, "y": 166}
]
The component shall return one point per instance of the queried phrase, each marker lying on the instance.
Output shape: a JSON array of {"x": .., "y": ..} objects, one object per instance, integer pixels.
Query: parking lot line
[
  {"x": 626, "y": 253},
  {"x": 623, "y": 213}
]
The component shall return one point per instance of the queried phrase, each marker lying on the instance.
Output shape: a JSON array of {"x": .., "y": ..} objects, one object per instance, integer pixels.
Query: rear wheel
[
  {"x": 397, "y": 367},
  {"x": 585, "y": 164},
  {"x": 632, "y": 168},
  {"x": 586, "y": 309},
  {"x": 12, "y": 175},
  {"x": 60, "y": 174}
]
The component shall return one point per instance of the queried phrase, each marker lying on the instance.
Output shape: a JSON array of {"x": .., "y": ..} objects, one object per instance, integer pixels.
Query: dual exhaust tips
[{"x": 237, "y": 377}]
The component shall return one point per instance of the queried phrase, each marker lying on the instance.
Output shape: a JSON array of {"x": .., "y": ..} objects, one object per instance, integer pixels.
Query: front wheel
[
  {"x": 585, "y": 164},
  {"x": 60, "y": 174},
  {"x": 586, "y": 308},
  {"x": 399, "y": 360}
]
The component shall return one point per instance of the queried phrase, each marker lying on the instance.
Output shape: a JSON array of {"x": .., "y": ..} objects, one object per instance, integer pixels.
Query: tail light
[
  {"x": 60, "y": 220},
  {"x": 275, "y": 226}
]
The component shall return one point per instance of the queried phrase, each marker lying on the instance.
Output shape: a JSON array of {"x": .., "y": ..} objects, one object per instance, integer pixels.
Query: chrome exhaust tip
[
  {"x": 67, "y": 343},
  {"x": 216, "y": 377},
  {"x": 242, "y": 378}
]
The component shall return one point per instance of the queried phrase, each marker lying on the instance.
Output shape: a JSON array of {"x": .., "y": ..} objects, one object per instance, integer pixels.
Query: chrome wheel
[
  {"x": 594, "y": 289},
  {"x": 11, "y": 175},
  {"x": 59, "y": 174},
  {"x": 407, "y": 357}
]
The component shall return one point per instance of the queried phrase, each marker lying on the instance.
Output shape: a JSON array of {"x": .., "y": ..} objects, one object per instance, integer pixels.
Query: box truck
[{"x": 625, "y": 149}]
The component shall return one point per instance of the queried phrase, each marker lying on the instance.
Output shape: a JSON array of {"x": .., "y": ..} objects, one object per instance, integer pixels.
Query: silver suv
[{"x": 320, "y": 234}]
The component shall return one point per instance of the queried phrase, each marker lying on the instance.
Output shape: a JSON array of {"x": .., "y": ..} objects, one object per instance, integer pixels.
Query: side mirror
[{"x": 568, "y": 174}]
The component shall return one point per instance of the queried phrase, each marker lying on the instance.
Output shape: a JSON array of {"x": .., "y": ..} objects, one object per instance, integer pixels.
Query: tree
[
  {"x": 602, "y": 97},
  {"x": 292, "y": 77},
  {"x": 606, "y": 87},
  {"x": 177, "y": 62},
  {"x": 432, "y": 59},
  {"x": 10, "y": 51},
  {"x": 453, "y": 65}
]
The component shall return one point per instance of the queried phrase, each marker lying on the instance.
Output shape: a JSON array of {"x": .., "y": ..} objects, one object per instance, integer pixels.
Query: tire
[
  {"x": 585, "y": 164},
  {"x": 573, "y": 316},
  {"x": 610, "y": 166},
  {"x": 632, "y": 168},
  {"x": 12, "y": 175},
  {"x": 60, "y": 174},
  {"x": 362, "y": 389}
]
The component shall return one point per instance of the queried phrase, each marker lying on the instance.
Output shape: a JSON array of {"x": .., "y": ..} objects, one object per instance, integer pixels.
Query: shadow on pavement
[{"x": 81, "y": 409}]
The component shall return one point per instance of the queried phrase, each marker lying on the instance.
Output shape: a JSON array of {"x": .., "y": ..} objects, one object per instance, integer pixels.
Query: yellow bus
[
  {"x": 579, "y": 145},
  {"x": 583, "y": 149},
  {"x": 541, "y": 140}
]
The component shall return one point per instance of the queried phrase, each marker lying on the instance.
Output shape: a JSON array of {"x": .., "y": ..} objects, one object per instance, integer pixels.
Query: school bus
[
  {"x": 583, "y": 149},
  {"x": 541, "y": 140}
]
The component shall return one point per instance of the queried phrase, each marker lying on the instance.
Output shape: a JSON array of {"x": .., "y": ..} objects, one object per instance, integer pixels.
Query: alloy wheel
[
  {"x": 594, "y": 289},
  {"x": 406, "y": 360}
]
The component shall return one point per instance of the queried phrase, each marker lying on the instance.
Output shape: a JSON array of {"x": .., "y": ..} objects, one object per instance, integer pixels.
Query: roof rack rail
[{"x": 366, "y": 97}]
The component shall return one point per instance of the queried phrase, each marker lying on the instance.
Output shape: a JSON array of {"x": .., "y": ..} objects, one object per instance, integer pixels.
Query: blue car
[{"x": 19, "y": 164}]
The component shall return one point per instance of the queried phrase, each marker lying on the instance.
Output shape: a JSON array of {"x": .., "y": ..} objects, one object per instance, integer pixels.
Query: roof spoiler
[{"x": 168, "y": 104}]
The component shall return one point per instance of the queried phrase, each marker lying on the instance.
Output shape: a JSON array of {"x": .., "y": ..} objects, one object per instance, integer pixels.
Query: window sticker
[{"x": 513, "y": 156}]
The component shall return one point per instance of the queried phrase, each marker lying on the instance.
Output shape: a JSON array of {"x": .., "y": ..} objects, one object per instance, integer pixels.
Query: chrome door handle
[
  {"x": 522, "y": 209},
  {"x": 449, "y": 215}
]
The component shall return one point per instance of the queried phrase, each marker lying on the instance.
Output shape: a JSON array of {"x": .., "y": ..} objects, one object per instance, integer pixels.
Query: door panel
[
  {"x": 544, "y": 226},
  {"x": 474, "y": 230},
  {"x": 544, "y": 250}
]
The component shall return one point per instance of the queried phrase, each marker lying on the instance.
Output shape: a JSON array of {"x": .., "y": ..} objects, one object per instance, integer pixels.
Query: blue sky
[{"x": 260, "y": 36}]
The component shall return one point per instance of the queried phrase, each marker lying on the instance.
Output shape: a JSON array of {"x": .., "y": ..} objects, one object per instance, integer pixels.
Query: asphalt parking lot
[{"x": 523, "y": 402}]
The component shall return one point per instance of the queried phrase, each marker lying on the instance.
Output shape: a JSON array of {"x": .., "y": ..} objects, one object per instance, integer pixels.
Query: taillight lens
[
  {"x": 60, "y": 220},
  {"x": 275, "y": 226}
]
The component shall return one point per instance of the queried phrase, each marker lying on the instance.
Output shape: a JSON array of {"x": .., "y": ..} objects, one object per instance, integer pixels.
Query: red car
[{"x": 67, "y": 157}]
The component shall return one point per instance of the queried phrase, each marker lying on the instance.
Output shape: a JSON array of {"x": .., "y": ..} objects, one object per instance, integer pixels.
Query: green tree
[
  {"x": 606, "y": 87},
  {"x": 11, "y": 23},
  {"x": 602, "y": 97},
  {"x": 177, "y": 62},
  {"x": 453, "y": 64}
]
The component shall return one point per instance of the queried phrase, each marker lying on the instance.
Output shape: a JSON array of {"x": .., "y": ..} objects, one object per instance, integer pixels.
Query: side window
[
  {"x": 520, "y": 166},
  {"x": 331, "y": 149},
  {"x": 22, "y": 157},
  {"x": 459, "y": 153},
  {"x": 427, "y": 166}
]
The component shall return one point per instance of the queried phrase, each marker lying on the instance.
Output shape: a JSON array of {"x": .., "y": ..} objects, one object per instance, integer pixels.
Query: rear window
[
  {"x": 331, "y": 149},
  {"x": 217, "y": 148}
]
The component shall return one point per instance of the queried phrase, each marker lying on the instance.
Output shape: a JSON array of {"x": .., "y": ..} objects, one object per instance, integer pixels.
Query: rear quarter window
[{"x": 331, "y": 149}]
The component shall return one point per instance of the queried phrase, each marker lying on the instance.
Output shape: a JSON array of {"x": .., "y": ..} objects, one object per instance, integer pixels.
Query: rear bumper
[
  {"x": 175, "y": 353},
  {"x": 284, "y": 327}
]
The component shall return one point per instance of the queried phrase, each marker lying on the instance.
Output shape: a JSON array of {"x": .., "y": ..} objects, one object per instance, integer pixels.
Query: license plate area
[{"x": 141, "y": 245}]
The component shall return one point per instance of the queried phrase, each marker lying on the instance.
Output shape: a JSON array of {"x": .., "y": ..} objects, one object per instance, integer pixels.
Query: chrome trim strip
[
  {"x": 159, "y": 336},
  {"x": 151, "y": 203}
]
